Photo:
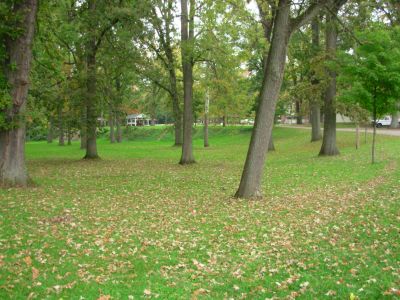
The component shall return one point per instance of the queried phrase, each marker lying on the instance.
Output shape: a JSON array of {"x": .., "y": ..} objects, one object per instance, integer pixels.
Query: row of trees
[{"x": 97, "y": 58}]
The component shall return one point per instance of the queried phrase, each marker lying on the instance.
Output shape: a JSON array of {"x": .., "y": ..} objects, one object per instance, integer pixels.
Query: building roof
[{"x": 137, "y": 116}]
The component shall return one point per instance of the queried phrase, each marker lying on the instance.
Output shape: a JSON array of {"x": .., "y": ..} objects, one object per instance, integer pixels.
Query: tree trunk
[
  {"x": 315, "y": 111},
  {"x": 69, "y": 134},
  {"x": 83, "y": 129},
  {"x": 111, "y": 121},
  {"x": 60, "y": 124},
  {"x": 315, "y": 122},
  {"x": 299, "y": 117},
  {"x": 250, "y": 184},
  {"x": 50, "y": 130},
  {"x": 16, "y": 68},
  {"x": 224, "y": 121},
  {"x": 119, "y": 129},
  {"x": 395, "y": 120},
  {"x": 187, "y": 35},
  {"x": 271, "y": 146},
  {"x": 178, "y": 120},
  {"x": 329, "y": 137},
  {"x": 91, "y": 117},
  {"x": 176, "y": 109}
]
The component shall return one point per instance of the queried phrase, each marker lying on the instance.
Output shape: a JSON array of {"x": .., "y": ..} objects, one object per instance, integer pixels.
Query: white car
[{"x": 385, "y": 121}]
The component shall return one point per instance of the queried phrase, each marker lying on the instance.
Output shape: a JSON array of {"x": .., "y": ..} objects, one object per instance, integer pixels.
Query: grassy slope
[{"x": 137, "y": 221}]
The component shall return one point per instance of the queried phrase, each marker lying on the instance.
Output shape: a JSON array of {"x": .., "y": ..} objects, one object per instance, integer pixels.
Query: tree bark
[
  {"x": 119, "y": 129},
  {"x": 111, "y": 121},
  {"x": 83, "y": 128},
  {"x": 329, "y": 147},
  {"x": 50, "y": 130},
  {"x": 91, "y": 117},
  {"x": 176, "y": 107},
  {"x": 16, "y": 69},
  {"x": 69, "y": 134},
  {"x": 315, "y": 111},
  {"x": 271, "y": 146},
  {"x": 395, "y": 120},
  {"x": 178, "y": 126},
  {"x": 250, "y": 184},
  {"x": 283, "y": 26},
  {"x": 299, "y": 117},
  {"x": 187, "y": 36}
]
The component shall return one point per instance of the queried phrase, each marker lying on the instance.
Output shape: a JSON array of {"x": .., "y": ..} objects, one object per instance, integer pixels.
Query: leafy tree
[
  {"x": 16, "y": 36},
  {"x": 283, "y": 27},
  {"x": 371, "y": 74}
]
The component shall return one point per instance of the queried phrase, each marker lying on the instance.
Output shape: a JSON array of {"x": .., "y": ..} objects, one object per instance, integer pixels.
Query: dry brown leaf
[
  {"x": 35, "y": 273},
  {"x": 104, "y": 297},
  {"x": 28, "y": 260}
]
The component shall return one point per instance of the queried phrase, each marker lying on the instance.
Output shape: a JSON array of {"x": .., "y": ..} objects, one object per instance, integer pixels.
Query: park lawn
[{"x": 135, "y": 224}]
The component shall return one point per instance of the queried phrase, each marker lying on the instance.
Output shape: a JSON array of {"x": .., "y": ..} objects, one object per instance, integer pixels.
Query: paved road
[{"x": 384, "y": 131}]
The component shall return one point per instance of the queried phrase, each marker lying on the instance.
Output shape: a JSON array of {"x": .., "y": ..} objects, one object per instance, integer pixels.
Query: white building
[{"x": 138, "y": 120}]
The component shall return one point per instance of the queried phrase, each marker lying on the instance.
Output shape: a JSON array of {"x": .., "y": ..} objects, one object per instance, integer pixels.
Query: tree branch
[
  {"x": 103, "y": 32},
  {"x": 307, "y": 15}
]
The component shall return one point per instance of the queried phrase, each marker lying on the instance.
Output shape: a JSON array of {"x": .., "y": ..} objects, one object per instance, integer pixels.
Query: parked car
[{"x": 385, "y": 121}]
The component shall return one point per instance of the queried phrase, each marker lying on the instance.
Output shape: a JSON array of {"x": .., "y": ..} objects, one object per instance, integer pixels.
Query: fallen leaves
[
  {"x": 28, "y": 261},
  {"x": 35, "y": 273},
  {"x": 125, "y": 221}
]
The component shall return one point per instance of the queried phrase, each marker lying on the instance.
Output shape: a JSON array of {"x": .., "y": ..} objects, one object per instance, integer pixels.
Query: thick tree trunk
[
  {"x": 329, "y": 147},
  {"x": 271, "y": 146},
  {"x": 315, "y": 111},
  {"x": 16, "y": 69},
  {"x": 91, "y": 117},
  {"x": 224, "y": 121},
  {"x": 250, "y": 184},
  {"x": 50, "y": 130},
  {"x": 395, "y": 120},
  {"x": 12, "y": 149},
  {"x": 61, "y": 132},
  {"x": 187, "y": 66},
  {"x": 315, "y": 122}
]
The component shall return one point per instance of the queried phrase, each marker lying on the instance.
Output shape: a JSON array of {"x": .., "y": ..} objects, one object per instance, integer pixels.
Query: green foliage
[
  {"x": 9, "y": 29},
  {"x": 370, "y": 74}
]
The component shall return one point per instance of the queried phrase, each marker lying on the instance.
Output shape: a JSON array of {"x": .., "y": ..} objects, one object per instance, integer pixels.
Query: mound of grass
[{"x": 135, "y": 224}]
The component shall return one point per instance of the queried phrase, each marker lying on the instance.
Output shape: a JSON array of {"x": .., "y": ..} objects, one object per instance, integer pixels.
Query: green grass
[{"x": 136, "y": 220}]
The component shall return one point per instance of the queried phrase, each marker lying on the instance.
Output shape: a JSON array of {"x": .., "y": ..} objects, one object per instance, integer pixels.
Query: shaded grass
[{"x": 137, "y": 220}]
